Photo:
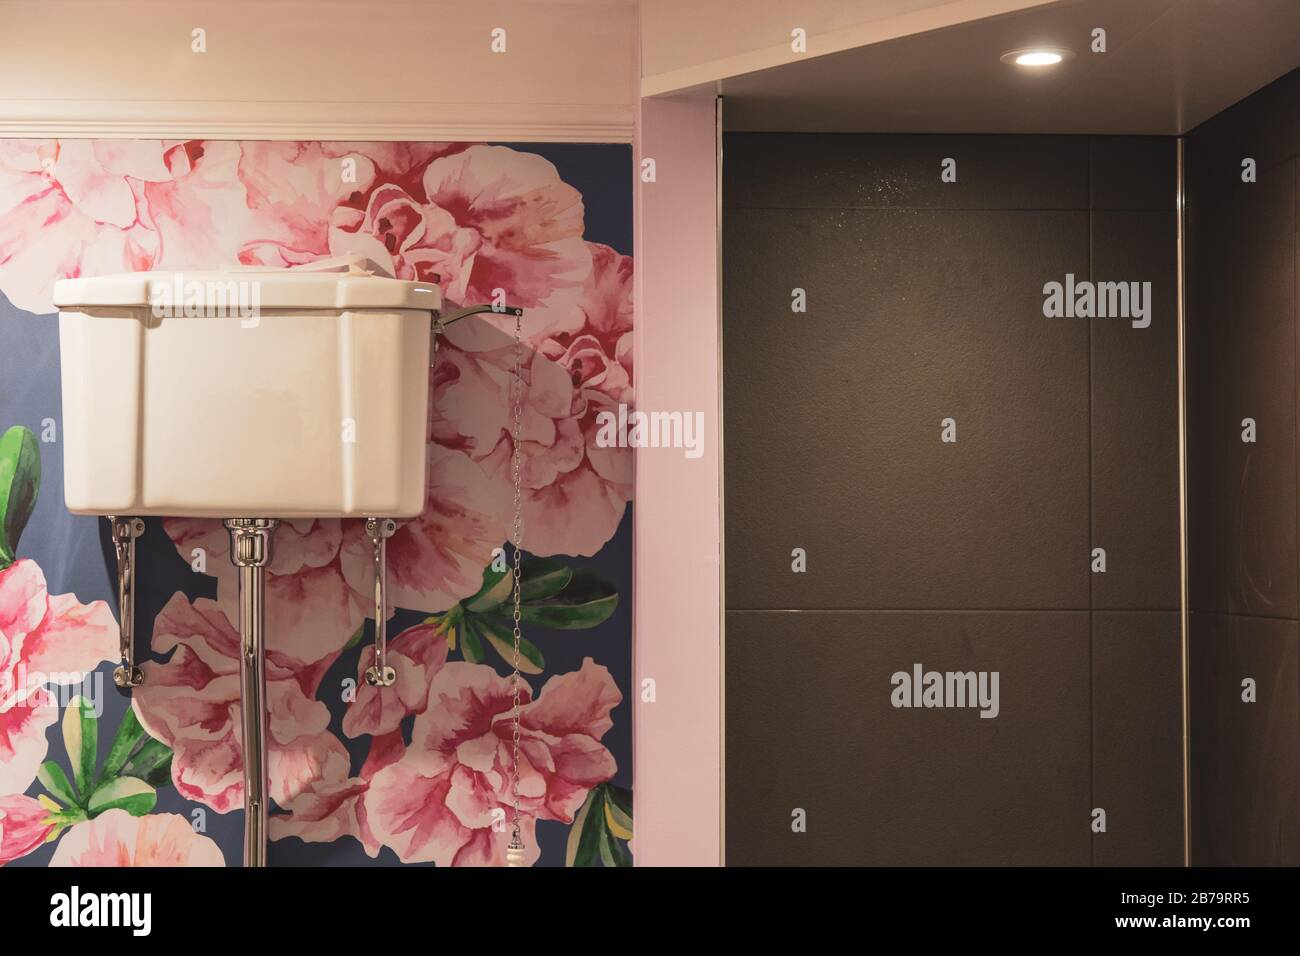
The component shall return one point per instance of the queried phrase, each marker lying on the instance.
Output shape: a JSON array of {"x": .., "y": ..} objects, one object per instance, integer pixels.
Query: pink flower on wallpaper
[
  {"x": 295, "y": 189},
  {"x": 416, "y": 654},
  {"x": 105, "y": 206},
  {"x": 115, "y": 838},
  {"x": 108, "y": 206},
  {"x": 80, "y": 197},
  {"x": 595, "y": 343},
  {"x": 320, "y": 579},
  {"x": 436, "y": 801},
  {"x": 22, "y": 826},
  {"x": 191, "y": 703},
  {"x": 575, "y": 490},
  {"x": 332, "y": 807},
  {"x": 44, "y": 639},
  {"x": 481, "y": 219},
  {"x": 438, "y": 558},
  {"x": 311, "y": 611}
]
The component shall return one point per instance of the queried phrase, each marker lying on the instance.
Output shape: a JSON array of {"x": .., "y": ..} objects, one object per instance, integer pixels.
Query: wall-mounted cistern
[{"x": 296, "y": 393}]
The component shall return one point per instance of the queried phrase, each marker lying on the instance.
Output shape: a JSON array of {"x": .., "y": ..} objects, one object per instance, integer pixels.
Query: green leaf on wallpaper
[
  {"x": 80, "y": 739},
  {"x": 543, "y": 578},
  {"x": 502, "y": 637},
  {"x": 128, "y": 739},
  {"x": 612, "y": 852},
  {"x": 585, "y": 601},
  {"x": 125, "y": 793},
  {"x": 552, "y": 595},
  {"x": 593, "y": 841},
  {"x": 152, "y": 763},
  {"x": 20, "y": 480},
  {"x": 470, "y": 644},
  {"x": 583, "y": 846},
  {"x": 618, "y": 811},
  {"x": 494, "y": 591},
  {"x": 355, "y": 639},
  {"x": 56, "y": 783},
  {"x": 135, "y": 754}
]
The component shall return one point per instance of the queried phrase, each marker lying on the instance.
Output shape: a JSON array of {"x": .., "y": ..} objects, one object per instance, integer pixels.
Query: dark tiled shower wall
[
  {"x": 924, "y": 302},
  {"x": 1244, "y": 578}
]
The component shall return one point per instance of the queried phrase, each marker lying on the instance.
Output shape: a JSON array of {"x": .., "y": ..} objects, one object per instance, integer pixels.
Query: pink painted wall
[{"x": 677, "y": 626}]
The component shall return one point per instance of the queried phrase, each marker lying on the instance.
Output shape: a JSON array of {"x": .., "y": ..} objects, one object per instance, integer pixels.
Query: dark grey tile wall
[
  {"x": 924, "y": 302},
  {"x": 1246, "y": 756},
  {"x": 1245, "y": 591},
  {"x": 810, "y": 727},
  {"x": 1137, "y": 736}
]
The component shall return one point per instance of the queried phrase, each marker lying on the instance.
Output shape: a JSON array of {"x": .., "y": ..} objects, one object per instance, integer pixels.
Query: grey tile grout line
[
  {"x": 1295, "y": 340},
  {"x": 1092, "y": 709},
  {"x": 1244, "y": 617}
]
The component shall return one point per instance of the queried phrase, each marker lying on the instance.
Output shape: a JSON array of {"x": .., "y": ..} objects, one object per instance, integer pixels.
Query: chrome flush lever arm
[
  {"x": 440, "y": 322},
  {"x": 124, "y": 532},
  {"x": 445, "y": 320}
]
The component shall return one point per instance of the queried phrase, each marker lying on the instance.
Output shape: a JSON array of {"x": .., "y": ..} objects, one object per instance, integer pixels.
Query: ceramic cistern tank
[{"x": 290, "y": 392}]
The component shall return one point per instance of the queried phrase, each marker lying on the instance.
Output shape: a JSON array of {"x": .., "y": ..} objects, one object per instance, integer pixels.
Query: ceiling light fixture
[{"x": 1037, "y": 56}]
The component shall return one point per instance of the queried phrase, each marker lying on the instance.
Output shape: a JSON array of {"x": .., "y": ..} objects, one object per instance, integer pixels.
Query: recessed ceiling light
[{"x": 1037, "y": 56}]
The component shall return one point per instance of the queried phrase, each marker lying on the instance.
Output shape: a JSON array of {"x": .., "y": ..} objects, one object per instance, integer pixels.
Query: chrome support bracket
[
  {"x": 124, "y": 531},
  {"x": 379, "y": 530},
  {"x": 250, "y": 552},
  {"x": 440, "y": 322}
]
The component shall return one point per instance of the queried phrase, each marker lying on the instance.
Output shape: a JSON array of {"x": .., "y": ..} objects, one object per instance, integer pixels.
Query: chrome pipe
[{"x": 250, "y": 552}]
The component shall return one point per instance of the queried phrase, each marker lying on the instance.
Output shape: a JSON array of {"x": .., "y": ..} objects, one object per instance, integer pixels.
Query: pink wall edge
[{"x": 677, "y": 632}]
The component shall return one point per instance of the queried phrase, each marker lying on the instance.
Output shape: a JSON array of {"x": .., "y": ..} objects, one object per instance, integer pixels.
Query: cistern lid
[{"x": 346, "y": 282}]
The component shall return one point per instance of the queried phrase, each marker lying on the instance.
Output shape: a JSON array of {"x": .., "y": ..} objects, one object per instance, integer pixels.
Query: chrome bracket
[
  {"x": 250, "y": 552},
  {"x": 440, "y": 322},
  {"x": 124, "y": 531},
  {"x": 379, "y": 530}
]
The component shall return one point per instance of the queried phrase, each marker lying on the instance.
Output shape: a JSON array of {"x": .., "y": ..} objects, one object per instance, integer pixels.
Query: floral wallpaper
[{"x": 415, "y": 773}]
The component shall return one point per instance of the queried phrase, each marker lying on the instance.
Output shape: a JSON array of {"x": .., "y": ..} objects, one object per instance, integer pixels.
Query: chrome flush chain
[
  {"x": 124, "y": 532},
  {"x": 515, "y": 849}
]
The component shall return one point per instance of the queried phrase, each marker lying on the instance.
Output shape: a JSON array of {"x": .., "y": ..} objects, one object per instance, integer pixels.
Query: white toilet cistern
[{"x": 300, "y": 392}]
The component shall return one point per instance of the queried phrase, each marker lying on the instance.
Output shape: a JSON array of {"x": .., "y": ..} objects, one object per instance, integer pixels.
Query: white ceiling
[{"x": 1169, "y": 65}]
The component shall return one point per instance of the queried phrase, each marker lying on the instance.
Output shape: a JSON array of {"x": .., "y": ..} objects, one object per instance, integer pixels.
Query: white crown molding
[
  {"x": 339, "y": 122},
  {"x": 543, "y": 70}
]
